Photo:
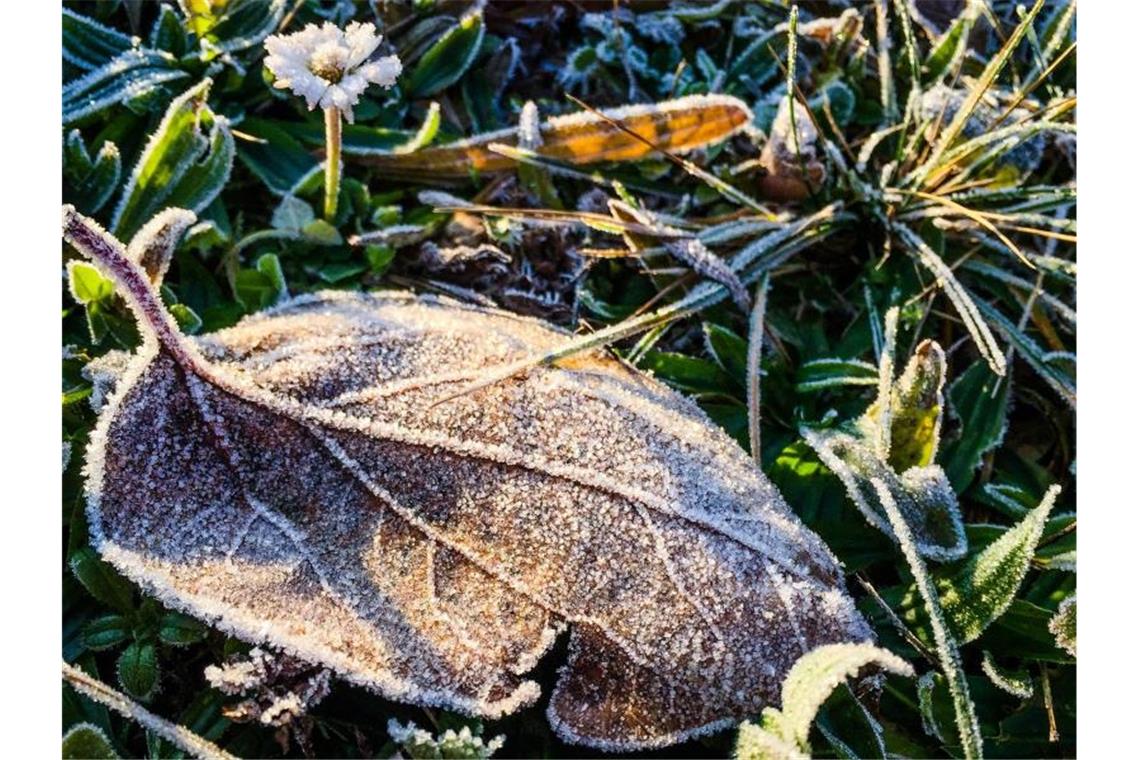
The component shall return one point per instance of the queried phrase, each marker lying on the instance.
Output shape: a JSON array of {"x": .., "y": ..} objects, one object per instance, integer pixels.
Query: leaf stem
[
  {"x": 132, "y": 282},
  {"x": 968, "y": 732},
  {"x": 332, "y": 161}
]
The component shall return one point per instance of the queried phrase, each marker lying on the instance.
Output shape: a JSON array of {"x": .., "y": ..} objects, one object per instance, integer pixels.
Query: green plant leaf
[
  {"x": 136, "y": 76},
  {"x": 819, "y": 374},
  {"x": 1017, "y": 683},
  {"x": 101, "y": 580},
  {"x": 86, "y": 741},
  {"x": 89, "y": 183},
  {"x": 106, "y": 632},
  {"x": 728, "y": 349},
  {"x": 137, "y": 669},
  {"x": 185, "y": 163},
  {"x": 448, "y": 59},
  {"x": 87, "y": 284},
  {"x": 987, "y": 585},
  {"x": 180, "y": 630},
  {"x": 87, "y": 44},
  {"x": 233, "y": 25},
  {"x": 784, "y": 732}
]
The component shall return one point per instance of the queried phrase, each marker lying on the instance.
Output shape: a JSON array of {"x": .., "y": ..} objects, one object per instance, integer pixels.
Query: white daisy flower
[{"x": 328, "y": 66}]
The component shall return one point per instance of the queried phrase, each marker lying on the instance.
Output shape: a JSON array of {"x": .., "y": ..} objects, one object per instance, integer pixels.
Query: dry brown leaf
[
  {"x": 677, "y": 126},
  {"x": 289, "y": 481}
]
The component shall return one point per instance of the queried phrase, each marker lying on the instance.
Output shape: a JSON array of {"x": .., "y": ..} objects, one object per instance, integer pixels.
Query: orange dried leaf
[{"x": 677, "y": 126}]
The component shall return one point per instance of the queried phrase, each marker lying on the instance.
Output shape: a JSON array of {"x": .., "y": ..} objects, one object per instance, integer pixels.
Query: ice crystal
[
  {"x": 328, "y": 66},
  {"x": 418, "y": 743},
  {"x": 1063, "y": 625},
  {"x": 278, "y": 689},
  {"x": 290, "y": 481}
]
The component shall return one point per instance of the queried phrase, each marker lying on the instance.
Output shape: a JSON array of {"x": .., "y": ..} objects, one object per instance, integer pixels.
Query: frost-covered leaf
[
  {"x": 135, "y": 76},
  {"x": 233, "y": 25},
  {"x": 185, "y": 163},
  {"x": 106, "y": 632},
  {"x": 154, "y": 244},
  {"x": 678, "y": 126},
  {"x": 101, "y": 580},
  {"x": 904, "y": 423},
  {"x": 180, "y": 630},
  {"x": 1017, "y": 683},
  {"x": 292, "y": 214},
  {"x": 87, "y": 44},
  {"x": 819, "y": 374},
  {"x": 87, "y": 284},
  {"x": 1063, "y": 626},
  {"x": 137, "y": 669},
  {"x": 89, "y": 182},
  {"x": 86, "y": 741},
  {"x": 448, "y": 59},
  {"x": 784, "y": 732},
  {"x": 418, "y": 744},
  {"x": 987, "y": 585},
  {"x": 291, "y": 481}
]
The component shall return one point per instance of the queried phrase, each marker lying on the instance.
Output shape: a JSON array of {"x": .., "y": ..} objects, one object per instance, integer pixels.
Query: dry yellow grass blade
[{"x": 678, "y": 126}]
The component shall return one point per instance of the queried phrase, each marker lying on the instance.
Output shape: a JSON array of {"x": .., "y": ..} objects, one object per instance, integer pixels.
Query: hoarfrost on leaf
[
  {"x": 291, "y": 481},
  {"x": 1063, "y": 625},
  {"x": 418, "y": 743}
]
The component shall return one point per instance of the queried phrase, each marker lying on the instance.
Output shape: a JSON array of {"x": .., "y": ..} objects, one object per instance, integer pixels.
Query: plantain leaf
[
  {"x": 185, "y": 163},
  {"x": 448, "y": 59},
  {"x": 784, "y": 733},
  {"x": 137, "y": 668},
  {"x": 291, "y": 481},
  {"x": 86, "y": 741},
  {"x": 1063, "y": 626}
]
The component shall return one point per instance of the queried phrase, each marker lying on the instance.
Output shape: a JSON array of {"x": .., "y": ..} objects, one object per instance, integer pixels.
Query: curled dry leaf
[
  {"x": 677, "y": 126},
  {"x": 290, "y": 481}
]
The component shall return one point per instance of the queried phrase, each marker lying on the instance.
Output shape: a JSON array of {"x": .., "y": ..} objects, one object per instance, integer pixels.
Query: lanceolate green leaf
[
  {"x": 137, "y": 669},
  {"x": 448, "y": 59},
  {"x": 1059, "y": 380},
  {"x": 819, "y": 374},
  {"x": 185, "y": 163},
  {"x": 985, "y": 588},
  {"x": 133, "y": 75},
  {"x": 87, "y": 44},
  {"x": 784, "y": 733},
  {"x": 90, "y": 182}
]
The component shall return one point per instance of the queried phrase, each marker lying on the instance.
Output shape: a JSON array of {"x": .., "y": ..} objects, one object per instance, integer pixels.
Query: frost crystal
[
  {"x": 328, "y": 66},
  {"x": 278, "y": 689},
  {"x": 418, "y": 743},
  {"x": 291, "y": 481}
]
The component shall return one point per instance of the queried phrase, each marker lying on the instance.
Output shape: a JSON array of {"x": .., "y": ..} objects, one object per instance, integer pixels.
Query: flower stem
[{"x": 332, "y": 161}]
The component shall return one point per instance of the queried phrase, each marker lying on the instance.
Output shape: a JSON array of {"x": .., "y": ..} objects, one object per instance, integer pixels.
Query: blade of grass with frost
[
  {"x": 949, "y": 51},
  {"x": 950, "y": 133},
  {"x": 755, "y": 352},
  {"x": 997, "y": 144},
  {"x": 750, "y": 262},
  {"x": 1033, "y": 354},
  {"x": 886, "y": 381},
  {"x": 972, "y": 215},
  {"x": 599, "y": 222},
  {"x": 969, "y": 734},
  {"x": 998, "y": 274},
  {"x": 1031, "y": 198},
  {"x": 887, "y": 96},
  {"x": 179, "y": 736},
  {"x": 909, "y": 45},
  {"x": 959, "y": 297}
]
